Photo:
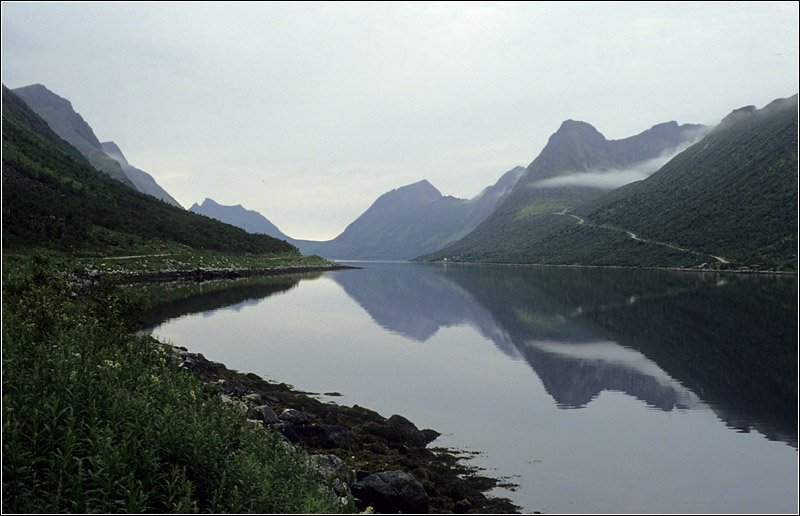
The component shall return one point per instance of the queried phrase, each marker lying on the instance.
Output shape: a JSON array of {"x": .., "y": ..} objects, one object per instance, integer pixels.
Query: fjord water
[{"x": 594, "y": 390}]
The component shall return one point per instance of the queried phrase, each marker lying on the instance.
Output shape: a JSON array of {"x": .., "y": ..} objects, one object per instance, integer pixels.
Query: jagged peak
[
  {"x": 788, "y": 102},
  {"x": 575, "y": 130},
  {"x": 423, "y": 186},
  {"x": 571, "y": 126},
  {"x": 42, "y": 91},
  {"x": 113, "y": 148},
  {"x": 739, "y": 114},
  {"x": 665, "y": 126}
]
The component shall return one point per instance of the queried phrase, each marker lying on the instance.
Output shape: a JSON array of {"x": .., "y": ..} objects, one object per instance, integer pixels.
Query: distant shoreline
[
  {"x": 633, "y": 267},
  {"x": 207, "y": 274}
]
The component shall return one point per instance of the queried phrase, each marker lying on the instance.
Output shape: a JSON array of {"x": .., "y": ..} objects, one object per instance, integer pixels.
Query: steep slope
[
  {"x": 577, "y": 164},
  {"x": 141, "y": 180},
  {"x": 249, "y": 220},
  {"x": 55, "y": 199},
  {"x": 733, "y": 195},
  {"x": 728, "y": 201},
  {"x": 412, "y": 220},
  {"x": 71, "y": 127}
]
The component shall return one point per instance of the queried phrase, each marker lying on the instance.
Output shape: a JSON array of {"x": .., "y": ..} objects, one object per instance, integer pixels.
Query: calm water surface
[{"x": 594, "y": 390}]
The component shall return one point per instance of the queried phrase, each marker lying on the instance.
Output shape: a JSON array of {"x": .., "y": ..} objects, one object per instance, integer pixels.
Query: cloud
[{"x": 611, "y": 179}]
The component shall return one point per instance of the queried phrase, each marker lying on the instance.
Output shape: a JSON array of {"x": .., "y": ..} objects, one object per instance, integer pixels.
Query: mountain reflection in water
[
  {"x": 670, "y": 339},
  {"x": 674, "y": 340}
]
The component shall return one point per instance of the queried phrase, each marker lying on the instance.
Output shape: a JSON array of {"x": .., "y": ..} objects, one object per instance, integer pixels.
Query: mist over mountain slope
[
  {"x": 734, "y": 194},
  {"x": 729, "y": 200},
  {"x": 577, "y": 164}
]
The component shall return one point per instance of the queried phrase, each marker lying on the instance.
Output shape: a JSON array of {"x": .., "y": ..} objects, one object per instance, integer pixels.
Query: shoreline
[
  {"x": 631, "y": 267},
  {"x": 209, "y": 273},
  {"x": 366, "y": 441}
]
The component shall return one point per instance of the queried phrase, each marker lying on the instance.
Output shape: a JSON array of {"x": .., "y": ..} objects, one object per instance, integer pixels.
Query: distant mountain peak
[
  {"x": 575, "y": 125},
  {"x": 575, "y": 132},
  {"x": 739, "y": 114},
  {"x": 665, "y": 127},
  {"x": 421, "y": 191},
  {"x": 113, "y": 150},
  {"x": 751, "y": 111},
  {"x": 237, "y": 215},
  {"x": 141, "y": 180},
  {"x": 46, "y": 95},
  {"x": 577, "y": 128}
]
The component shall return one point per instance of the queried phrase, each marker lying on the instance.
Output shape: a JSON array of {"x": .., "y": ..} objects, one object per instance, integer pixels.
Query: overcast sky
[{"x": 308, "y": 112}]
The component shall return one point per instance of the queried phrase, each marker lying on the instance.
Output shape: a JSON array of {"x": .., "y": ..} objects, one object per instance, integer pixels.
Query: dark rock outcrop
[
  {"x": 319, "y": 435},
  {"x": 265, "y": 414},
  {"x": 392, "y": 492}
]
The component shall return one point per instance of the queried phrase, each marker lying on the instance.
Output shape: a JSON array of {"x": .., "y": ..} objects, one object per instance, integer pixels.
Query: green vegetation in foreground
[{"x": 97, "y": 419}]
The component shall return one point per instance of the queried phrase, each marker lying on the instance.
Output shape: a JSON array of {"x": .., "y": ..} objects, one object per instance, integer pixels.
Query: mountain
[
  {"x": 54, "y": 198},
  {"x": 577, "y": 164},
  {"x": 71, "y": 127},
  {"x": 663, "y": 332},
  {"x": 141, "y": 180},
  {"x": 249, "y": 220},
  {"x": 413, "y": 220},
  {"x": 732, "y": 195},
  {"x": 730, "y": 200}
]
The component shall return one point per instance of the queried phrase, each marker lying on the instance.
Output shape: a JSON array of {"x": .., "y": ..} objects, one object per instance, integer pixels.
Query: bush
[{"x": 98, "y": 419}]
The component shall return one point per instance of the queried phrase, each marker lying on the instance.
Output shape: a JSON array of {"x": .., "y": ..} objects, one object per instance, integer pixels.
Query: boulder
[
  {"x": 296, "y": 417},
  {"x": 321, "y": 435},
  {"x": 462, "y": 506},
  {"x": 254, "y": 397},
  {"x": 265, "y": 414},
  {"x": 329, "y": 466},
  {"x": 392, "y": 492},
  {"x": 402, "y": 431}
]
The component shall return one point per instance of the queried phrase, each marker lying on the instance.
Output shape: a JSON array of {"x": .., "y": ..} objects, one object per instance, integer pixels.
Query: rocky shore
[
  {"x": 384, "y": 462},
  {"x": 207, "y": 273}
]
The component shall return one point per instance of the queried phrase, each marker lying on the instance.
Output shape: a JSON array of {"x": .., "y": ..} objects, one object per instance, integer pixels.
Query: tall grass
[{"x": 97, "y": 419}]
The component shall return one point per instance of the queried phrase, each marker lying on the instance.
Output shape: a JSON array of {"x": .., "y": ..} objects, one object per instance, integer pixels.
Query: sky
[{"x": 307, "y": 112}]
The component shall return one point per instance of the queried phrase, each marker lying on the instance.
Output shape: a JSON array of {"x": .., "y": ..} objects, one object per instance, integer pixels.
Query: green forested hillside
[
  {"x": 733, "y": 195},
  {"x": 728, "y": 201},
  {"x": 53, "y": 198},
  {"x": 70, "y": 126},
  {"x": 572, "y": 169}
]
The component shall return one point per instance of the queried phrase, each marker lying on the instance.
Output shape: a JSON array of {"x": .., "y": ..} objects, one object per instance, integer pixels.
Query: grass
[
  {"x": 193, "y": 259},
  {"x": 541, "y": 207},
  {"x": 98, "y": 419},
  {"x": 170, "y": 257}
]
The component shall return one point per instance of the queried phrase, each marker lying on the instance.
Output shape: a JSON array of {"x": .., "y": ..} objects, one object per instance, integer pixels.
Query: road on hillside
[{"x": 634, "y": 236}]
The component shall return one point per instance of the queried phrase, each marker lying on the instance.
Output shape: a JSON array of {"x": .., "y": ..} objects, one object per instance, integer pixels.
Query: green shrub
[{"x": 98, "y": 419}]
